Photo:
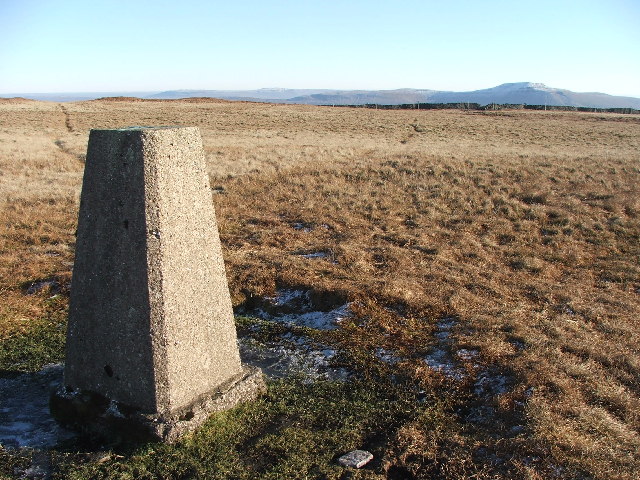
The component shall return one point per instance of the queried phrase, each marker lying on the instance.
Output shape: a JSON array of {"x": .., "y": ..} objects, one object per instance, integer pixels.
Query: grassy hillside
[{"x": 491, "y": 261}]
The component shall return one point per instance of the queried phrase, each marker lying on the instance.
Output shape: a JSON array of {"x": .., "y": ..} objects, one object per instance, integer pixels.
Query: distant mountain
[
  {"x": 361, "y": 97},
  {"x": 507, "y": 93},
  {"x": 535, "y": 94},
  {"x": 514, "y": 93},
  {"x": 263, "y": 94},
  {"x": 308, "y": 96}
]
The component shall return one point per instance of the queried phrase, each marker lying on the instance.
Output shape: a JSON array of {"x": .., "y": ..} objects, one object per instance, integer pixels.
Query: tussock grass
[{"x": 523, "y": 227}]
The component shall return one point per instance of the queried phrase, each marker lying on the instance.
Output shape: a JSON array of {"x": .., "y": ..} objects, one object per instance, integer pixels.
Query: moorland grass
[{"x": 522, "y": 227}]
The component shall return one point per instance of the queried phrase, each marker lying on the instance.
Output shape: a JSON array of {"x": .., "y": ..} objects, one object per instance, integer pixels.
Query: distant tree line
[{"x": 490, "y": 106}]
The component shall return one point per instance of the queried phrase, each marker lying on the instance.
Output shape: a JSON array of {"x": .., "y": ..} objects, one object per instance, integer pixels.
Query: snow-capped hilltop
[
  {"x": 530, "y": 93},
  {"x": 521, "y": 85},
  {"x": 516, "y": 86},
  {"x": 503, "y": 89},
  {"x": 539, "y": 86}
]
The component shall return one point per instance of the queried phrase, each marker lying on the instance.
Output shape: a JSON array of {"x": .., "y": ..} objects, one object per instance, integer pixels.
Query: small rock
[
  {"x": 51, "y": 284},
  {"x": 355, "y": 459},
  {"x": 466, "y": 354},
  {"x": 302, "y": 227}
]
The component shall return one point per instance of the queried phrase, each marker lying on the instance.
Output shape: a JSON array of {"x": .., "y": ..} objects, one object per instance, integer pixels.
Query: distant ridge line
[
  {"x": 490, "y": 107},
  {"x": 520, "y": 93}
]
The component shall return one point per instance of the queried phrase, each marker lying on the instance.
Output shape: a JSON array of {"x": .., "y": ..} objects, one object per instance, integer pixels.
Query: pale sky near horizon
[{"x": 154, "y": 45}]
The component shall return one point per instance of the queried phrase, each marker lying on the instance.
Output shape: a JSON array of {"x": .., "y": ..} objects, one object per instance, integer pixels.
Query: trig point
[{"x": 151, "y": 341}]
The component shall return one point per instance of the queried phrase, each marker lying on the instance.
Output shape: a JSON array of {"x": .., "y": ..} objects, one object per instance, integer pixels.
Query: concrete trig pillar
[{"x": 151, "y": 337}]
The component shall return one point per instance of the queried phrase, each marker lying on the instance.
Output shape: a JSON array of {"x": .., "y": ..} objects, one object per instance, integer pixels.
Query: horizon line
[{"x": 156, "y": 91}]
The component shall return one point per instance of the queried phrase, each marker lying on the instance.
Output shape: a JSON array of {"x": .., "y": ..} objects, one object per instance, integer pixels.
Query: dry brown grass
[{"x": 524, "y": 226}]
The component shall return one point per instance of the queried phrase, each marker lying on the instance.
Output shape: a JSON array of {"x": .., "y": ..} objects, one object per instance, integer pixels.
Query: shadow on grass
[
  {"x": 294, "y": 431},
  {"x": 299, "y": 427}
]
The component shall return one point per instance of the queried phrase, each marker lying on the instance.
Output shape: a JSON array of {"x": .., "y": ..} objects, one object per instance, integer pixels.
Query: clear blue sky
[{"x": 152, "y": 45}]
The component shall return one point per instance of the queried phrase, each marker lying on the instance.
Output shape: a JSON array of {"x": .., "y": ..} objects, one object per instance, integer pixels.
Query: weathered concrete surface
[
  {"x": 94, "y": 414},
  {"x": 150, "y": 317}
]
